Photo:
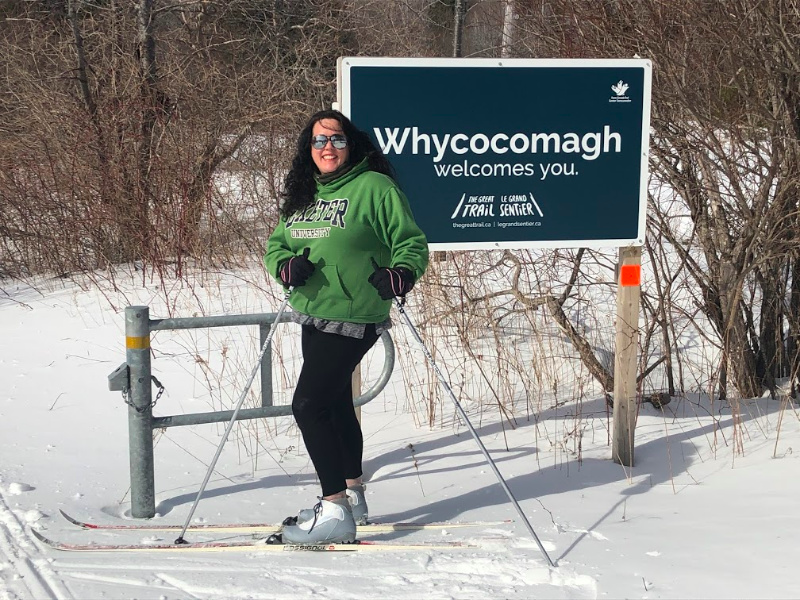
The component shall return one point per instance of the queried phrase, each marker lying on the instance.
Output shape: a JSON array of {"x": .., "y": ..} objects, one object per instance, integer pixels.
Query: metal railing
[{"x": 134, "y": 379}]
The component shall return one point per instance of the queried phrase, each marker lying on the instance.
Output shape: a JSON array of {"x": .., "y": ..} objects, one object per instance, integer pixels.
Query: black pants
[{"x": 323, "y": 405}]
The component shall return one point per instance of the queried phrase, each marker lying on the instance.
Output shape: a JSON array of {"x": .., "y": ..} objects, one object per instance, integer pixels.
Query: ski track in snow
[
  {"x": 191, "y": 590},
  {"x": 510, "y": 572},
  {"x": 118, "y": 580},
  {"x": 503, "y": 567},
  {"x": 24, "y": 572}
]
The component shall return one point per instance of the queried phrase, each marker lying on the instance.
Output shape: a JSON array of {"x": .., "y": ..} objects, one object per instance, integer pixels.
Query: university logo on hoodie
[{"x": 325, "y": 214}]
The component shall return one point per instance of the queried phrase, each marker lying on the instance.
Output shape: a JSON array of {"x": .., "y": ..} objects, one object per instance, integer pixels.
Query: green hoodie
[{"x": 360, "y": 216}]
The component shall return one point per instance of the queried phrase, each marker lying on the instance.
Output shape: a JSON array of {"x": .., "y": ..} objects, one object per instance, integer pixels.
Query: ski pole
[
  {"x": 474, "y": 433},
  {"x": 256, "y": 367}
]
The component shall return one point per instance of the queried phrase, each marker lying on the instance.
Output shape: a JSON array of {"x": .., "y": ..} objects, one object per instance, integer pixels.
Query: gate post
[
  {"x": 140, "y": 412},
  {"x": 266, "y": 365}
]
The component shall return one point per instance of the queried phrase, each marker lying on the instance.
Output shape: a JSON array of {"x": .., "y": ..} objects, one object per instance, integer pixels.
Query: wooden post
[{"x": 625, "y": 359}]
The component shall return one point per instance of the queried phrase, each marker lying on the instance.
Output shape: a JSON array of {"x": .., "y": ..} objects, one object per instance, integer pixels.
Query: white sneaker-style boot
[
  {"x": 358, "y": 504},
  {"x": 332, "y": 524}
]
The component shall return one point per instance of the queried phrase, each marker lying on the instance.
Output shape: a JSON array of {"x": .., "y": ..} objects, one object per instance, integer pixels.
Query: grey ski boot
[
  {"x": 358, "y": 503},
  {"x": 332, "y": 524}
]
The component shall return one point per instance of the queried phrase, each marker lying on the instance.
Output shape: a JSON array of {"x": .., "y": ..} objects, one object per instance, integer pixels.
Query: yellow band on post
[{"x": 137, "y": 343}]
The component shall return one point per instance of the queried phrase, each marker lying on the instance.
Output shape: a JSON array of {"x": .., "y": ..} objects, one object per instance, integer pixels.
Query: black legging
[{"x": 323, "y": 405}]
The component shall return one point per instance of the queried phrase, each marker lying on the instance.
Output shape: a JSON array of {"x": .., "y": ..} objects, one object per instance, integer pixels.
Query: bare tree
[
  {"x": 129, "y": 110},
  {"x": 508, "y": 29},
  {"x": 119, "y": 122},
  {"x": 725, "y": 140}
]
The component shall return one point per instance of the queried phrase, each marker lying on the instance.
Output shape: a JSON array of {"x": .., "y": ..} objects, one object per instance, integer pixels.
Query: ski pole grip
[{"x": 374, "y": 264}]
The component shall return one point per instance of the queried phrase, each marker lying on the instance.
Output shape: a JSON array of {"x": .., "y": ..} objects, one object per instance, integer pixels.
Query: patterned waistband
[{"x": 353, "y": 330}]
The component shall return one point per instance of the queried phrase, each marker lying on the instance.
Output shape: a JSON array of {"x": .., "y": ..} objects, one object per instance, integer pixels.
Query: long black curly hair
[{"x": 300, "y": 187}]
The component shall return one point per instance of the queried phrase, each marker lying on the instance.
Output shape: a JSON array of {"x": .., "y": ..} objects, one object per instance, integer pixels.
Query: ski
[
  {"x": 252, "y": 546},
  {"x": 271, "y": 528}
]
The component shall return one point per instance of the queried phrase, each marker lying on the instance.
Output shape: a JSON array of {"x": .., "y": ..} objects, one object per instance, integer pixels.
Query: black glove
[
  {"x": 296, "y": 271},
  {"x": 392, "y": 281}
]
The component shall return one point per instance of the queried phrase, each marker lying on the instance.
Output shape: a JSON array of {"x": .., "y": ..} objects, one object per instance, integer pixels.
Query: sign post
[{"x": 627, "y": 343}]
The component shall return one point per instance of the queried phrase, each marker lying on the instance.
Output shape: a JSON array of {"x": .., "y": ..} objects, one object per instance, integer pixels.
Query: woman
[{"x": 347, "y": 243}]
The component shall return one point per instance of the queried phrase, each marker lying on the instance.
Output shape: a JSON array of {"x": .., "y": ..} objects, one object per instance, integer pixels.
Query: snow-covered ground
[{"x": 709, "y": 510}]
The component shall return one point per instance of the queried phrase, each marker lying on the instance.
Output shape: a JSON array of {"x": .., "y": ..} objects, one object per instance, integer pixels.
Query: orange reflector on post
[
  {"x": 137, "y": 343},
  {"x": 630, "y": 275}
]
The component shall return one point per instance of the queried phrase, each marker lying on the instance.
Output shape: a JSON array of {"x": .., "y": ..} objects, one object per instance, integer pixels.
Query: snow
[{"x": 708, "y": 511}]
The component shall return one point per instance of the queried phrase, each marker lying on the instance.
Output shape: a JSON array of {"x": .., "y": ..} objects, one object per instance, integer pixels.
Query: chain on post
[{"x": 152, "y": 404}]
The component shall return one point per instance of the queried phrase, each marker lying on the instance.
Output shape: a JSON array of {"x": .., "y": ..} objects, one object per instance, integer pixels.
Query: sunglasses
[{"x": 338, "y": 140}]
